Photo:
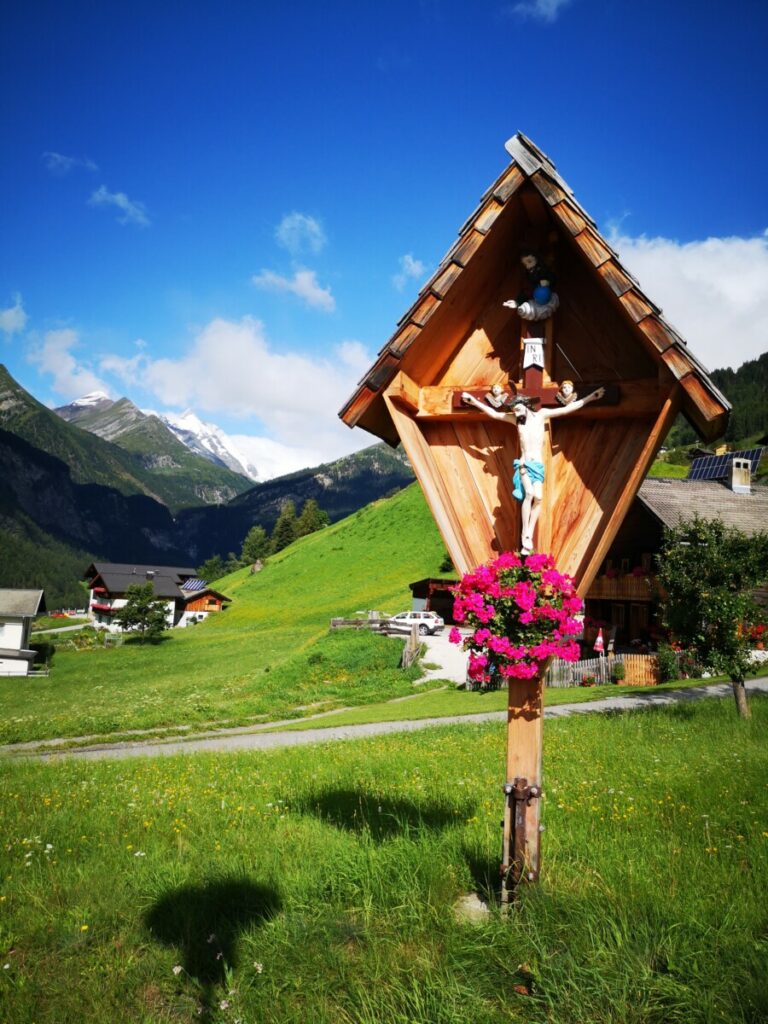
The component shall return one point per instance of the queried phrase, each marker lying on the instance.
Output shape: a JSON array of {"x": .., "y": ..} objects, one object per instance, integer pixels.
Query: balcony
[
  {"x": 622, "y": 588},
  {"x": 105, "y": 609}
]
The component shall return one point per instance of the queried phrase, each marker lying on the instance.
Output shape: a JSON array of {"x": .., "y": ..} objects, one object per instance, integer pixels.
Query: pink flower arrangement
[{"x": 521, "y": 611}]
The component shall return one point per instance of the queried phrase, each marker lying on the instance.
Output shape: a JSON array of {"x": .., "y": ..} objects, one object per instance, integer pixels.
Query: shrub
[
  {"x": 618, "y": 672},
  {"x": 667, "y": 659}
]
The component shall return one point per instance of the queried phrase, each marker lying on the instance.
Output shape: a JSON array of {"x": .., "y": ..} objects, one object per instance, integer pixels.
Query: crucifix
[
  {"x": 522, "y": 790},
  {"x": 520, "y": 411}
]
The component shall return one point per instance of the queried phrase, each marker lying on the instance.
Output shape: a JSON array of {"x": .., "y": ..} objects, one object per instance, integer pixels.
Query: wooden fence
[{"x": 639, "y": 670}]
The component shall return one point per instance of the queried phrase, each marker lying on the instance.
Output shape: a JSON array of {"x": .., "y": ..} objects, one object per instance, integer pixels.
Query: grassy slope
[
  {"x": 327, "y": 877},
  {"x": 254, "y": 660}
]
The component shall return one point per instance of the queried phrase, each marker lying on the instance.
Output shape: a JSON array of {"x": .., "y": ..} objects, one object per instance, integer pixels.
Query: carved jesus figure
[{"x": 529, "y": 468}]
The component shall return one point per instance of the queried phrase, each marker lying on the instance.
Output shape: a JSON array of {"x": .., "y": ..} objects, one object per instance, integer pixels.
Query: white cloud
[
  {"x": 70, "y": 379},
  {"x": 57, "y": 163},
  {"x": 303, "y": 284},
  {"x": 13, "y": 319},
  {"x": 299, "y": 234},
  {"x": 410, "y": 268},
  {"x": 540, "y": 10},
  {"x": 133, "y": 212},
  {"x": 230, "y": 369},
  {"x": 713, "y": 291}
]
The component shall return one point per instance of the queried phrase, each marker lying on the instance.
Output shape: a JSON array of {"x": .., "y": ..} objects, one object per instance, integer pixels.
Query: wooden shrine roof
[{"x": 701, "y": 402}]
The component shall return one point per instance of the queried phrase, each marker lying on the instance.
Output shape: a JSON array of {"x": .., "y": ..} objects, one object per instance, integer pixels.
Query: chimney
[{"x": 741, "y": 476}]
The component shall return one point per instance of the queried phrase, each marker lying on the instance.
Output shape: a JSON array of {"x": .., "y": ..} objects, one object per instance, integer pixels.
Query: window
[{"x": 617, "y": 615}]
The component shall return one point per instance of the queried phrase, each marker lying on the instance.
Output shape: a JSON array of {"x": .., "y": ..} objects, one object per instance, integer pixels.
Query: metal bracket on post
[{"x": 514, "y": 869}]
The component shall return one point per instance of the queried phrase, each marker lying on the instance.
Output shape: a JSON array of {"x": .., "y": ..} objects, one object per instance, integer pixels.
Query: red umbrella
[{"x": 599, "y": 643}]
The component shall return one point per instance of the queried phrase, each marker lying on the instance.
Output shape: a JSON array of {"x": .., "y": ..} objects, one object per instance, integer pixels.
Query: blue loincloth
[{"x": 535, "y": 472}]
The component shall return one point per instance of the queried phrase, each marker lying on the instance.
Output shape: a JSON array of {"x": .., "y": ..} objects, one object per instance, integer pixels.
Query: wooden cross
[
  {"x": 521, "y": 844},
  {"x": 536, "y": 383}
]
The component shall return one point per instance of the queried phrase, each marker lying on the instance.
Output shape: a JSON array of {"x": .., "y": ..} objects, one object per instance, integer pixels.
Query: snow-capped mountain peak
[
  {"x": 208, "y": 440},
  {"x": 92, "y": 398}
]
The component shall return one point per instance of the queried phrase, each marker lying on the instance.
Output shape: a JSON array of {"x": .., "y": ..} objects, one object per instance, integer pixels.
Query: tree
[
  {"x": 708, "y": 573},
  {"x": 312, "y": 518},
  {"x": 255, "y": 545},
  {"x": 284, "y": 532},
  {"x": 143, "y": 613},
  {"x": 212, "y": 569}
]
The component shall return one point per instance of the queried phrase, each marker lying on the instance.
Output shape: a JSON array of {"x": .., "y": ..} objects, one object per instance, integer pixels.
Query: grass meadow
[
  {"x": 267, "y": 656},
  {"x": 317, "y": 885}
]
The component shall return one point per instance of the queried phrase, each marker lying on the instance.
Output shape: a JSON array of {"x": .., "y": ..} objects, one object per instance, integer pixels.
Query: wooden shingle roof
[{"x": 701, "y": 402}]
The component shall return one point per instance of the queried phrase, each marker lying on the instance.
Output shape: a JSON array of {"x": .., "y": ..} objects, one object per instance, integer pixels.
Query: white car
[{"x": 426, "y": 622}]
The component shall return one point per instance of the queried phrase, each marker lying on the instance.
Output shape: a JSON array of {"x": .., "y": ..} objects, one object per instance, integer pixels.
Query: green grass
[
  {"x": 669, "y": 470},
  {"x": 45, "y": 622},
  {"x": 444, "y": 702},
  {"x": 268, "y": 655},
  {"x": 316, "y": 885}
]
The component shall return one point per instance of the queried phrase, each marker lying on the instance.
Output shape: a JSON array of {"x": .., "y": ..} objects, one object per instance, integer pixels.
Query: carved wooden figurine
[
  {"x": 529, "y": 468},
  {"x": 543, "y": 301}
]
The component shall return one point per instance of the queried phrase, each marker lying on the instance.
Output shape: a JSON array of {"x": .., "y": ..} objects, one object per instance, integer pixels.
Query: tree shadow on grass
[
  {"x": 204, "y": 922},
  {"x": 356, "y": 810}
]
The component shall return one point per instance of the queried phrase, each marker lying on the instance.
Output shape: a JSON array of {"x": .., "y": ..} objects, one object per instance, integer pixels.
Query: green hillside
[{"x": 268, "y": 656}]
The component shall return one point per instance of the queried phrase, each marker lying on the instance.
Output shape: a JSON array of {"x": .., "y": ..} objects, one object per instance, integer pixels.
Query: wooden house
[
  {"x": 188, "y": 599},
  {"x": 623, "y": 596},
  {"x": 458, "y": 335},
  {"x": 18, "y": 610}
]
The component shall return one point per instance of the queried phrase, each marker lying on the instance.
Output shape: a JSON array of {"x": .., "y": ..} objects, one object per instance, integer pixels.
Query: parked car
[{"x": 427, "y": 622}]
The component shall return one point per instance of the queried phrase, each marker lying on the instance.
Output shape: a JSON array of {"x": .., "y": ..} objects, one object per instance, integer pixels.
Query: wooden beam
[{"x": 625, "y": 399}]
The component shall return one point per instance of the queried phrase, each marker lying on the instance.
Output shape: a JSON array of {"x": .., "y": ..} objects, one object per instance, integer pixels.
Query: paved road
[{"x": 257, "y": 739}]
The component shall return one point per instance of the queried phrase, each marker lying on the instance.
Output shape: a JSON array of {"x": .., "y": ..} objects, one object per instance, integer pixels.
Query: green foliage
[
  {"x": 312, "y": 518},
  {"x": 747, "y": 390},
  {"x": 212, "y": 569},
  {"x": 447, "y": 564},
  {"x": 285, "y": 529},
  {"x": 707, "y": 572},
  {"x": 44, "y": 651},
  {"x": 32, "y": 558},
  {"x": 667, "y": 659},
  {"x": 618, "y": 671},
  {"x": 143, "y": 613},
  {"x": 255, "y": 545}
]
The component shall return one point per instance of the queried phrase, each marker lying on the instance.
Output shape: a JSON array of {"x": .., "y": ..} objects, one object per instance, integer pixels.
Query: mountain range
[{"x": 126, "y": 492}]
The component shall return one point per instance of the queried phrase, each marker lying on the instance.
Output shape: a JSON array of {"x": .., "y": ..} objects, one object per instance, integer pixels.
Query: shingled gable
[{"x": 529, "y": 196}]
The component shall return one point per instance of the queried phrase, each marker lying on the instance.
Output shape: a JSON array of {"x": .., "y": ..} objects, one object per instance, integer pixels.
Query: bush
[
  {"x": 44, "y": 652},
  {"x": 618, "y": 672},
  {"x": 667, "y": 659}
]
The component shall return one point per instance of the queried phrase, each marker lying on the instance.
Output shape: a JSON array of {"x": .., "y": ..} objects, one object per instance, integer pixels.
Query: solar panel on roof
[
  {"x": 193, "y": 584},
  {"x": 718, "y": 467}
]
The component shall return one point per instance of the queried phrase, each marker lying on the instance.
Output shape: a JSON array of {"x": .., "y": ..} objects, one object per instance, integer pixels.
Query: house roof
[
  {"x": 22, "y": 603},
  {"x": 197, "y": 594},
  {"x": 673, "y": 500},
  {"x": 117, "y": 577},
  {"x": 705, "y": 407}
]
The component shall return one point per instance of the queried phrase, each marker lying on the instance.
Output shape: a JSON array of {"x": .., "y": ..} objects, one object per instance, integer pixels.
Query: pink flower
[
  {"x": 455, "y": 636},
  {"x": 538, "y": 562}
]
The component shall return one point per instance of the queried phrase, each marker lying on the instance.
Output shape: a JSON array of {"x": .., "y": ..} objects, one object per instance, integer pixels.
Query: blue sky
[{"x": 229, "y": 206}]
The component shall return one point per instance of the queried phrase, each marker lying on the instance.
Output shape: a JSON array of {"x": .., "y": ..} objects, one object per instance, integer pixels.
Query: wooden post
[{"x": 522, "y": 812}]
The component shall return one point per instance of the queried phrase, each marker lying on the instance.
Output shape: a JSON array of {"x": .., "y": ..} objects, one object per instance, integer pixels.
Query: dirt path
[{"x": 256, "y": 739}]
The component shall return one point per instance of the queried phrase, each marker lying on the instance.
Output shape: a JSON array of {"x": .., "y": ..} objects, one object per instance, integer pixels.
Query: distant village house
[
  {"x": 18, "y": 609},
  {"x": 188, "y": 599}
]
